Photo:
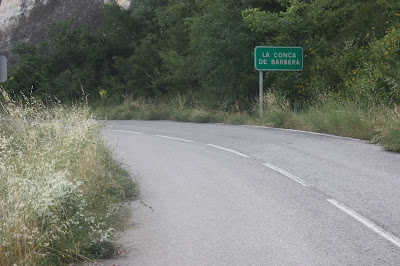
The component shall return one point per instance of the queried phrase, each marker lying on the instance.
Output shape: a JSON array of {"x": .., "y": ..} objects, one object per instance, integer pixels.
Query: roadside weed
[{"x": 60, "y": 189}]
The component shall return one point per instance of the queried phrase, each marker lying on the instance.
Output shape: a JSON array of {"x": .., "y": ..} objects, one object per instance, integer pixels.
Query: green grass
[
  {"x": 374, "y": 123},
  {"x": 61, "y": 191},
  {"x": 389, "y": 133},
  {"x": 342, "y": 119}
]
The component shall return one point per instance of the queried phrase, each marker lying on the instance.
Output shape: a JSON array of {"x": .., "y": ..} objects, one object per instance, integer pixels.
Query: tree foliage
[{"x": 204, "y": 49}]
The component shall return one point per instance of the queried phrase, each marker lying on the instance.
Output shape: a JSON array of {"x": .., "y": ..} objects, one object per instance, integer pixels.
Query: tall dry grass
[
  {"x": 60, "y": 189},
  {"x": 179, "y": 108},
  {"x": 376, "y": 123}
]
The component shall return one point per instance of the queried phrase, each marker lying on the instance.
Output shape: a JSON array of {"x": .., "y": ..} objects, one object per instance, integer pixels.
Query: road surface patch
[
  {"x": 293, "y": 177},
  {"x": 307, "y": 132},
  {"x": 371, "y": 225},
  {"x": 229, "y": 150},
  {"x": 125, "y": 131},
  {"x": 179, "y": 139}
]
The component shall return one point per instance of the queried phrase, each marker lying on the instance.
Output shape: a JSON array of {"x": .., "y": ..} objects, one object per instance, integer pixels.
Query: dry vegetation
[
  {"x": 375, "y": 123},
  {"x": 60, "y": 189}
]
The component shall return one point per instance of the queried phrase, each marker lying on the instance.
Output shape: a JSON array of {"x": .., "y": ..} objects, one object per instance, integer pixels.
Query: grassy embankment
[
  {"x": 378, "y": 124},
  {"x": 61, "y": 192}
]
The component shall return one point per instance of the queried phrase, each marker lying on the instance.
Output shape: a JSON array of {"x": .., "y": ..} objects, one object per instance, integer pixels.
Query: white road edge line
[
  {"x": 167, "y": 137},
  {"x": 125, "y": 131},
  {"x": 307, "y": 132},
  {"x": 293, "y": 177},
  {"x": 374, "y": 227},
  {"x": 229, "y": 150}
]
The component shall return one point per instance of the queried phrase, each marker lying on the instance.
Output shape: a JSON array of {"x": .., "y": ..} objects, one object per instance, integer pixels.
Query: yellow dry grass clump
[{"x": 59, "y": 187}]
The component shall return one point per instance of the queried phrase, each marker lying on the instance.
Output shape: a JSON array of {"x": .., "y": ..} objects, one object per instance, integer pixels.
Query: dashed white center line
[
  {"x": 179, "y": 139},
  {"x": 125, "y": 131},
  {"x": 293, "y": 177},
  {"x": 371, "y": 225},
  {"x": 229, "y": 150}
]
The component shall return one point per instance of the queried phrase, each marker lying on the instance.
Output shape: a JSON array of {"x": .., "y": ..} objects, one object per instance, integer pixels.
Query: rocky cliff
[{"x": 27, "y": 20}]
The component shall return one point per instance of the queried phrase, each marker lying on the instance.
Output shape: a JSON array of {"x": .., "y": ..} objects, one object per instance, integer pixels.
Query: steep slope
[{"x": 27, "y": 20}]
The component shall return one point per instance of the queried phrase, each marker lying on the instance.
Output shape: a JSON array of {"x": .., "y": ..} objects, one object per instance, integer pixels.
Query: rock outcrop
[{"x": 27, "y": 20}]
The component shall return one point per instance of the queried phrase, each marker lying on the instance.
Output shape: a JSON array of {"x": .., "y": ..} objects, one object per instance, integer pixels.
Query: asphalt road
[{"x": 215, "y": 194}]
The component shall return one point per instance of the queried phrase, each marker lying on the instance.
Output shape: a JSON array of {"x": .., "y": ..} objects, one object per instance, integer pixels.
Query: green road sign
[
  {"x": 275, "y": 58},
  {"x": 3, "y": 68}
]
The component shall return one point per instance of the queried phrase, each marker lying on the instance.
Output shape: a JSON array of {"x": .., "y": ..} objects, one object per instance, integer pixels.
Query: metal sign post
[
  {"x": 296, "y": 102},
  {"x": 275, "y": 58},
  {"x": 261, "y": 92},
  {"x": 3, "y": 68}
]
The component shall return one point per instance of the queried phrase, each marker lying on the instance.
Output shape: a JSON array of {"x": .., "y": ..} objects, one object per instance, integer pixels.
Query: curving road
[{"x": 214, "y": 194}]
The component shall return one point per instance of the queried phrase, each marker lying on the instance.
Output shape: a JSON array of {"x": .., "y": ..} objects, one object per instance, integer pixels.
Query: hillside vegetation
[{"x": 203, "y": 50}]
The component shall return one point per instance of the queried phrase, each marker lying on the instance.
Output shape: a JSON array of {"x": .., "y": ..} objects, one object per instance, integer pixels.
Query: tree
[{"x": 222, "y": 46}]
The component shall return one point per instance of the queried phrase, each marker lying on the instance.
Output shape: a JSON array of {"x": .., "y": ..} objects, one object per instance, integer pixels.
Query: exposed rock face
[
  {"x": 122, "y": 3},
  {"x": 27, "y": 20}
]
